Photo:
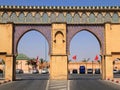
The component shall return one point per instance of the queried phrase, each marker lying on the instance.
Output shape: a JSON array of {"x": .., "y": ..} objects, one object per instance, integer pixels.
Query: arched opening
[
  {"x": 32, "y": 58},
  {"x": 116, "y": 68},
  {"x": 2, "y": 68},
  {"x": 85, "y": 50}
]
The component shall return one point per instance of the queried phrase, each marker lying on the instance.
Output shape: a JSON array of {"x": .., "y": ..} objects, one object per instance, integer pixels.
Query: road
[
  {"x": 27, "y": 82},
  {"x": 75, "y": 82},
  {"x": 90, "y": 82}
]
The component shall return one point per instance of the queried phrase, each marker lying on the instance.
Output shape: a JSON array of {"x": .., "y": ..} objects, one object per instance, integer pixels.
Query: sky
[
  {"x": 84, "y": 45},
  {"x": 61, "y": 2}
]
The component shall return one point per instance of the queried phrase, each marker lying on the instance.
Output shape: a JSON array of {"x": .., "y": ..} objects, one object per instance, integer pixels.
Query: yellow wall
[
  {"x": 58, "y": 47},
  {"x": 112, "y": 38},
  {"x": 6, "y": 38}
]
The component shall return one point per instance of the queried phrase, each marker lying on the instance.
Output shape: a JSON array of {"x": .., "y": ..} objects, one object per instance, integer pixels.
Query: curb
[
  {"x": 114, "y": 81},
  {"x": 5, "y": 81}
]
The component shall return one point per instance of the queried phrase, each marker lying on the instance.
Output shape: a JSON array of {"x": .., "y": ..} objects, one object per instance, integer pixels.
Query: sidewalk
[
  {"x": 114, "y": 80},
  {"x": 2, "y": 81}
]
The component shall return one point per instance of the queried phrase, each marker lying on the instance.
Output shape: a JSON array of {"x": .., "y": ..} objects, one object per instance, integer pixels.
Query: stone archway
[
  {"x": 96, "y": 30},
  {"x": 20, "y": 30}
]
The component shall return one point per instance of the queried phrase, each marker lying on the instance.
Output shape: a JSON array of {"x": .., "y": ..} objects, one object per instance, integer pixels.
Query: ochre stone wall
[
  {"x": 6, "y": 31},
  {"x": 6, "y": 48},
  {"x": 112, "y": 38},
  {"x": 58, "y": 58},
  {"x": 112, "y": 48}
]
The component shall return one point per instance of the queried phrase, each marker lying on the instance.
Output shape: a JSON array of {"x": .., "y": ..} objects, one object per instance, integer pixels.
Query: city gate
[{"x": 59, "y": 24}]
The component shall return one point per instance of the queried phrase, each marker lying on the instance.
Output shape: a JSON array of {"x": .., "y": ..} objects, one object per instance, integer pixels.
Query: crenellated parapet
[{"x": 68, "y": 14}]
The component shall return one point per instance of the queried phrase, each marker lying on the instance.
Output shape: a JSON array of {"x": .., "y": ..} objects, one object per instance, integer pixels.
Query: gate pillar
[
  {"x": 103, "y": 67},
  {"x": 6, "y": 49},
  {"x": 107, "y": 68},
  {"x": 58, "y": 57},
  {"x": 10, "y": 68}
]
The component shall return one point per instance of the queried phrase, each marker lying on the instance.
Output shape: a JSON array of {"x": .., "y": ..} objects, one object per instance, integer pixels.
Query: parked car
[
  {"x": 97, "y": 71},
  {"x": 115, "y": 71},
  {"x": 90, "y": 71},
  {"x": 44, "y": 71},
  {"x": 35, "y": 71},
  {"x": 74, "y": 71},
  {"x": 82, "y": 70},
  {"x": 19, "y": 71},
  {"x": 1, "y": 71}
]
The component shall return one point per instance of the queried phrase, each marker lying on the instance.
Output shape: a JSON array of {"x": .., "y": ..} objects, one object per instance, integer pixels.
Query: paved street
[
  {"x": 75, "y": 82},
  {"x": 27, "y": 82},
  {"x": 91, "y": 82}
]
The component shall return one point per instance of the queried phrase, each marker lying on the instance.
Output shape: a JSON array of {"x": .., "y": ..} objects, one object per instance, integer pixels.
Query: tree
[
  {"x": 69, "y": 61},
  {"x": 41, "y": 60},
  {"x": 86, "y": 60}
]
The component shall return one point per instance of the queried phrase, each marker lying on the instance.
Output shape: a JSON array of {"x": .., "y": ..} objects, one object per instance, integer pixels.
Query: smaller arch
[
  {"x": 5, "y": 17},
  {"x": 45, "y": 18},
  {"x": 107, "y": 17},
  {"x": 60, "y": 17},
  {"x": 21, "y": 17},
  {"x": 76, "y": 18},
  {"x": 92, "y": 18},
  {"x": 99, "y": 18},
  {"x": 58, "y": 32},
  {"x": 52, "y": 18},
  {"x": 37, "y": 17},
  {"x": 115, "y": 18},
  {"x": 84, "y": 18},
  {"x": 29, "y": 18},
  {"x": 13, "y": 17},
  {"x": 2, "y": 67},
  {"x": 69, "y": 18}
]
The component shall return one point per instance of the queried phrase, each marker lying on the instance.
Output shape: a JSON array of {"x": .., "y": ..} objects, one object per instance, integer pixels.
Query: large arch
[
  {"x": 90, "y": 34},
  {"x": 20, "y": 30},
  {"x": 84, "y": 46},
  {"x": 94, "y": 29}
]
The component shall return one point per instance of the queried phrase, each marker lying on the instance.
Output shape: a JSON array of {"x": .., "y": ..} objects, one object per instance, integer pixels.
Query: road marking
[
  {"x": 57, "y": 85},
  {"x": 47, "y": 85},
  {"x": 69, "y": 84}
]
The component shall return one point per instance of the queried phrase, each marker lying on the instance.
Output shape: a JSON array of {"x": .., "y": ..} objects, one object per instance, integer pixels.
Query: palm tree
[
  {"x": 41, "y": 62},
  {"x": 86, "y": 60}
]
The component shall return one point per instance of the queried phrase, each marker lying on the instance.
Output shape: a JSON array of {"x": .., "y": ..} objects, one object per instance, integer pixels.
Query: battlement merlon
[{"x": 62, "y": 8}]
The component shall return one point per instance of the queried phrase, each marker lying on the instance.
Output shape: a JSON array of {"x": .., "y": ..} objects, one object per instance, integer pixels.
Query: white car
[
  {"x": 44, "y": 71},
  {"x": 115, "y": 71},
  {"x": 35, "y": 71}
]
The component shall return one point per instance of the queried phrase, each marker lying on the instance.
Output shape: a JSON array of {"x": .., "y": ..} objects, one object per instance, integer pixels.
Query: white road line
[
  {"x": 59, "y": 87},
  {"x": 68, "y": 85},
  {"x": 47, "y": 85}
]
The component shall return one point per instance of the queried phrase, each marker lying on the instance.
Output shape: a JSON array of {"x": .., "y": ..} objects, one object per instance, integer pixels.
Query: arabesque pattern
[{"x": 70, "y": 15}]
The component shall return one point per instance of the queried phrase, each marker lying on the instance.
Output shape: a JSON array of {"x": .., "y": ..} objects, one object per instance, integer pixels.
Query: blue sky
[
  {"x": 84, "y": 44},
  {"x": 61, "y": 2}
]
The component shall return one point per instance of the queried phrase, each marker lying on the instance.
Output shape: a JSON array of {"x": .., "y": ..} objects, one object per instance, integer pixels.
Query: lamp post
[{"x": 92, "y": 67}]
